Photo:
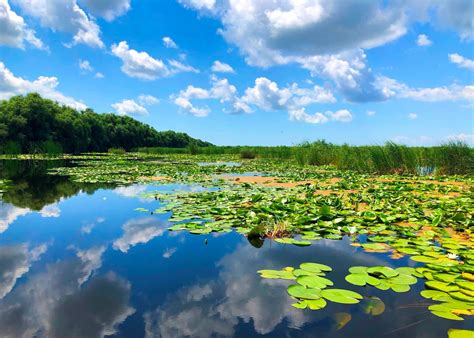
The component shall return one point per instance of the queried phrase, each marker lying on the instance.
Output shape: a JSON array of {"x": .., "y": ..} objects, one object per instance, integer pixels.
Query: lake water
[{"x": 77, "y": 260}]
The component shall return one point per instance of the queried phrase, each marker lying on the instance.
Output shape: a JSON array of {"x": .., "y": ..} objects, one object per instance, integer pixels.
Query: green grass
[{"x": 391, "y": 158}]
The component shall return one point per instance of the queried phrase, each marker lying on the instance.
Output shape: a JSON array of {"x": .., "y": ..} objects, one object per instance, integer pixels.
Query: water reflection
[
  {"x": 140, "y": 231},
  {"x": 61, "y": 301}
]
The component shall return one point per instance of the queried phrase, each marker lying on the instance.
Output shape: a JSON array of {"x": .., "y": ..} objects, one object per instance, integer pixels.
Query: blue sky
[{"x": 252, "y": 72}]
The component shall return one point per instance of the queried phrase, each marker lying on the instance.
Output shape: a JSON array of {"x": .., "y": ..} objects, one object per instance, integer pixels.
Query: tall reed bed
[{"x": 451, "y": 158}]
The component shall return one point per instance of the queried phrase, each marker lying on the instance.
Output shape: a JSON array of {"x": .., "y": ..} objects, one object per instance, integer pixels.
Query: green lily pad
[
  {"x": 315, "y": 267},
  {"x": 280, "y": 274},
  {"x": 315, "y": 282},
  {"x": 441, "y": 286},
  {"x": 359, "y": 279},
  {"x": 457, "y": 333},
  {"x": 299, "y": 291},
  {"x": 341, "y": 296},
  {"x": 316, "y": 304},
  {"x": 382, "y": 270}
]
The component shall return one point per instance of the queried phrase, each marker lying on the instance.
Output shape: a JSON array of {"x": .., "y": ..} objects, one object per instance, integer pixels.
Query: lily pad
[{"x": 341, "y": 296}]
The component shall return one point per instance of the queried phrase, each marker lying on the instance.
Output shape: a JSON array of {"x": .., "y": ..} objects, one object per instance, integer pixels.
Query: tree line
[{"x": 32, "y": 124}]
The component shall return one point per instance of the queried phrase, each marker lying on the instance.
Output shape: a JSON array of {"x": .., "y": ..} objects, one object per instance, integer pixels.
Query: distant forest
[{"x": 32, "y": 124}]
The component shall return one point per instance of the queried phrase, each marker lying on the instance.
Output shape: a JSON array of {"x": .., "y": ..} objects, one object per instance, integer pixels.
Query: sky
[{"x": 252, "y": 72}]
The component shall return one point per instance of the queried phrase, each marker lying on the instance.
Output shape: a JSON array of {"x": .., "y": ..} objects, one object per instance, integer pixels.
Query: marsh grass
[{"x": 454, "y": 158}]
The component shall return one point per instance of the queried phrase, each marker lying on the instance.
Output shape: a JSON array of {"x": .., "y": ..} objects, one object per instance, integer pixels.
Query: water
[{"x": 78, "y": 261}]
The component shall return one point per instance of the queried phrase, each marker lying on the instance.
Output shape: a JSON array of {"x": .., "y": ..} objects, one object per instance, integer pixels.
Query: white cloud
[
  {"x": 51, "y": 210},
  {"x": 169, "y": 43},
  {"x": 329, "y": 37},
  {"x": 301, "y": 115},
  {"x": 143, "y": 66},
  {"x": 9, "y": 213},
  {"x": 13, "y": 30},
  {"x": 220, "y": 90},
  {"x": 265, "y": 95},
  {"x": 199, "y": 4},
  {"x": 129, "y": 107},
  {"x": 148, "y": 99},
  {"x": 169, "y": 252},
  {"x": 221, "y": 67},
  {"x": 15, "y": 261},
  {"x": 412, "y": 116},
  {"x": 371, "y": 112},
  {"x": 461, "y": 61},
  {"x": 85, "y": 66},
  {"x": 139, "y": 231},
  {"x": 11, "y": 85},
  {"x": 393, "y": 88},
  {"x": 268, "y": 96},
  {"x": 456, "y": 15},
  {"x": 467, "y": 138},
  {"x": 423, "y": 41},
  {"x": 99, "y": 75},
  {"x": 64, "y": 16},
  {"x": 130, "y": 191},
  {"x": 178, "y": 67},
  {"x": 107, "y": 9}
]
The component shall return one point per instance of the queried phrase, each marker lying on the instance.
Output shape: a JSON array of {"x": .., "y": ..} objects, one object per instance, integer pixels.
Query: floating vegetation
[
  {"x": 312, "y": 287},
  {"x": 383, "y": 277}
]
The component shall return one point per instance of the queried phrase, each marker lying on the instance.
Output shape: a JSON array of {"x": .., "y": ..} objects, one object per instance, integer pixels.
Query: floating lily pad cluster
[
  {"x": 383, "y": 277},
  {"x": 453, "y": 288},
  {"x": 312, "y": 287}
]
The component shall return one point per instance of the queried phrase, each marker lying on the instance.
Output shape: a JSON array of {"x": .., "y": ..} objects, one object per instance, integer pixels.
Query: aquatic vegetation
[
  {"x": 383, "y": 277},
  {"x": 311, "y": 290}
]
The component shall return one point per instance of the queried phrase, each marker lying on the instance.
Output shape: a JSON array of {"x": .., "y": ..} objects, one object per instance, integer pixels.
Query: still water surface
[{"x": 78, "y": 261}]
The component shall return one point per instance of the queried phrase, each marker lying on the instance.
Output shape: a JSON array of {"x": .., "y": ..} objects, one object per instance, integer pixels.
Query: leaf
[
  {"x": 457, "y": 333},
  {"x": 315, "y": 267},
  {"x": 316, "y": 282},
  {"x": 382, "y": 270},
  {"x": 341, "y": 296},
  {"x": 358, "y": 269},
  {"x": 359, "y": 279},
  {"x": 441, "y": 286},
  {"x": 299, "y": 291},
  {"x": 280, "y": 274},
  {"x": 447, "y": 315},
  {"x": 316, "y": 304},
  {"x": 373, "y": 306}
]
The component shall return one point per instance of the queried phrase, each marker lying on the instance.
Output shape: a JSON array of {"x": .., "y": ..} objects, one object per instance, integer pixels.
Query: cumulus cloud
[
  {"x": 58, "y": 303},
  {"x": 131, "y": 107},
  {"x": 15, "y": 261},
  {"x": 130, "y": 191},
  {"x": 301, "y": 115},
  {"x": 139, "y": 231},
  {"x": 9, "y": 213},
  {"x": 423, "y": 41},
  {"x": 14, "y": 32},
  {"x": 143, "y": 66},
  {"x": 220, "y": 90},
  {"x": 329, "y": 37},
  {"x": 412, "y": 116},
  {"x": 64, "y": 16},
  {"x": 239, "y": 296},
  {"x": 107, "y": 9},
  {"x": 371, "y": 112},
  {"x": 169, "y": 43},
  {"x": 265, "y": 95},
  {"x": 221, "y": 67},
  {"x": 461, "y": 61},
  {"x": 51, "y": 210},
  {"x": 11, "y": 85},
  {"x": 393, "y": 88}
]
